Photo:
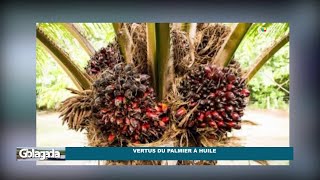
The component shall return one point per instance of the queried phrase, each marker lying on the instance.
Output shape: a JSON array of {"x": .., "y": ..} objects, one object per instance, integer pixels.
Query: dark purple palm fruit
[
  {"x": 126, "y": 109},
  {"x": 220, "y": 96},
  {"x": 105, "y": 58}
]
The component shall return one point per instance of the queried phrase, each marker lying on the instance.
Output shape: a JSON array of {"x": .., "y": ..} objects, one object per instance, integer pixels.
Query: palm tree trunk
[
  {"x": 124, "y": 41},
  {"x": 186, "y": 27},
  {"x": 162, "y": 54},
  {"x": 151, "y": 50}
]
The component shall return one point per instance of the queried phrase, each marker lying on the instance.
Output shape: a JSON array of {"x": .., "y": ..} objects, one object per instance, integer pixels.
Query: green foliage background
[
  {"x": 51, "y": 79},
  {"x": 269, "y": 87}
]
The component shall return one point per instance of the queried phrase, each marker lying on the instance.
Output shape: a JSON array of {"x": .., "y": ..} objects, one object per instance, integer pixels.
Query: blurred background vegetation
[{"x": 269, "y": 87}]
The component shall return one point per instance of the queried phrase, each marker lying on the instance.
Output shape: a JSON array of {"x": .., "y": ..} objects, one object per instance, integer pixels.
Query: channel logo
[
  {"x": 35, "y": 153},
  {"x": 263, "y": 29}
]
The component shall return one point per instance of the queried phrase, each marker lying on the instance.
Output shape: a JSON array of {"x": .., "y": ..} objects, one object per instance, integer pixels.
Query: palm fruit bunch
[
  {"x": 180, "y": 51},
  {"x": 105, "y": 58},
  {"x": 201, "y": 26},
  {"x": 139, "y": 45},
  {"x": 216, "y": 96},
  {"x": 210, "y": 38},
  {"x": 125, "y": 107},
  {"x": 76, "y": 110}
]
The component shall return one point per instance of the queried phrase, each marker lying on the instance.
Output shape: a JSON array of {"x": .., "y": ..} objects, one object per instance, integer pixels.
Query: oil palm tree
[{"x": 170, "y": 54}]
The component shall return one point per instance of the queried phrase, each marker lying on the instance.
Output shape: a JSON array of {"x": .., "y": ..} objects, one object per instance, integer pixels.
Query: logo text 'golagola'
[{"x": 42, "y": 155}]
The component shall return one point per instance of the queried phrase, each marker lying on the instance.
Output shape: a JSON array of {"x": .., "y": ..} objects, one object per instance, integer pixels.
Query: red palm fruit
[
  {"x": 105, "y": 118},
  {"x": 127, "y": 121},
  {"x": 104, "y": 110},
  {"x": 150, "y": 90},
  {"x": 118, "y": 101},
  {"x": 111, "y": 138},
  {"x": 212, "y": 124},
  {"x": 165, "y": 119},
  {"x": 231, "y": 78},
  {"x": 207, "y": 69},
  {"x": 191, "y": 124},
  {"x": 134, "y": 105},
  {"x": 158, "y": 109},
  {"x": 192, "y": 104},
  {"x": 224, "y": 89},
  {"x": 229, "y": 109},
  {"x": 124, "y": 100},
  {"x": 134, "y": 123},
  {"x": 146, "y": 94},
  {"x": 203, "y": 125},
  {"x": 145, "y": 127},
  {"x": 137, "y": 110},
  {"x": 180, "y": 112},
  {"x": 237, "y": 126},
  {"x": 119, "y": 121},
  {"x": 230, "y": 87},
  {"x": 155, "y": 123},
  {"x": 112, "y": 120},
  {"x": 128, "y": 108},
  {"x": 223, "y": 114},
  {"x": 136, "y": 137},
  {"x": 149, "y": 109},
  {"x": 231, "y": 124},
  {"x": 164, "y": 107},
  {"x": 208, "y": 115},
  {"x": 212, "y": 95},
  {"x": 218, "y": 74},
  {"x": 125, "y": 128},
  {"x": 219, "y": 93},
  {"x": 235, "y": 116},
  {"x": 131, "y": 129},
  {"x": 200, "y": 117},
  {"x": 230, "y": 95},
  {"x": 221, "y": 124},
  {"x": 117, "y": 113},
  {"x": 151, "y": 115},
  {"x": 138, "y": 130},
  {"x": 215, "y": 114},
  {"x": 162, "y": 124},
  {"x": 245, "y": 92}
]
